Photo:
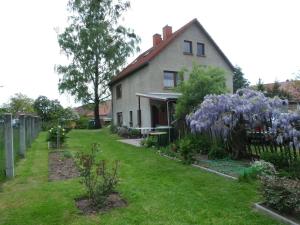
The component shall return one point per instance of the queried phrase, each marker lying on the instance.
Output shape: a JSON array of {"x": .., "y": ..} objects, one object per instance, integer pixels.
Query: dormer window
[
  {"x": 187, "y": 47},
  {"x": 200, "y": 49}
]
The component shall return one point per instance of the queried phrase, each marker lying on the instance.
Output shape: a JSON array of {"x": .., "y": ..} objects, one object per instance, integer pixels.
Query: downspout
[{"x": 168, "y": 117}]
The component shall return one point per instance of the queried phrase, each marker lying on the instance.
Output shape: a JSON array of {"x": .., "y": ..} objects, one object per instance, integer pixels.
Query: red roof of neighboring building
[
  {"x": 143, "y": 59},
  {"x": 104, "y": 110}
]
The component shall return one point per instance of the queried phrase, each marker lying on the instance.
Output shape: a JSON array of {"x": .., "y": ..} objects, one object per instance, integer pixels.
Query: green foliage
[
  {"x": 277, "y": 91},
  {"x": 67, "y": 154},
  {"x": 258, "y": 168},
  {"x": 149, "y": 142},
  {"x": 278, "y": 160},
  {"x": 20, "y": 103},
  {"x": 193, "y": 144},
  {"x": 281, "y": 193},
  {"x": 57, "y": 134},
  {"x": 113, "y": 129},
  {"x": 170, "y": 150},
  {"x": 97, "y": 47},
  {"x": 217, "y": 151},
  {"x": 238, "y": 79},
  {"x": 99, "y": 180},
  {"x": 82, "y": 123},
  {"x": 260, "y": 86},
  {"x": 134, "y": 133},
  {"x": 202, "y": 81}
]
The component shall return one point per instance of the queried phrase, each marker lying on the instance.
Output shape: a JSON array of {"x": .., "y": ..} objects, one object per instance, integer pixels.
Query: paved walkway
[{"x": 134, "y": 142}]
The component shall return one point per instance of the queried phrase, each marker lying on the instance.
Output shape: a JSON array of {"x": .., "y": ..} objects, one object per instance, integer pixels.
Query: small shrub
[
  {"x": 281, "y": 193},
  {"x": 258, "y": 168},
  {"x": 67, "y": 154},
  {"x": 123, "y": 132},
  {"x": 276, "y": 159},
  {"x": 217, "y": 151},
  {"x": 113, "y": 129},
  {"x": 82, "y": 123},
  {"x": 134, "y": 133},
  {"x": 99, "y": 180},
  {"x": 56, "y": 134},
  {"x": 149, "y": 142}
]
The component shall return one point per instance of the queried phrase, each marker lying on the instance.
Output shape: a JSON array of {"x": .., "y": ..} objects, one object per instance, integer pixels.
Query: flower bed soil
[
  {"x": 61, "y": 167},
  {"x": 114, "y": 200}
]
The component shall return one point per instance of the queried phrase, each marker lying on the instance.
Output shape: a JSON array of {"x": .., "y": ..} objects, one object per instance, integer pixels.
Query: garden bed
[
  {"x": 287, "y": 219},
  {"x": 61, "y": 166},
  {"x": 114, "y": 200}
]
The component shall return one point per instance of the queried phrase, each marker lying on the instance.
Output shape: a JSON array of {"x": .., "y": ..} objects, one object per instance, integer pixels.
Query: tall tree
[
  {"x": 239, "y": 81},
  {"x": 97, "y": 47},
  {"x": 202, "y": 81},
  {"x": 260, "y": 86},
  {"x": 20, "y": 103}
]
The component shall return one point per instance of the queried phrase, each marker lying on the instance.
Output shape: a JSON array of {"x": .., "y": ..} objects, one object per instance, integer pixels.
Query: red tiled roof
[
  {"x": 144, "y": 58},
  {"x": 289, "y": 86},
  {"x": 104, "y": 109}
]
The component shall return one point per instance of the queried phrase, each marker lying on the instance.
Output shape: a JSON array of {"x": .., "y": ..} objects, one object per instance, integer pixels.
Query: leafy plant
[
  {"x": 123, "y": 132},
  {"x": 99, "y": 180},
  {"x": 281, "y": 193},
  {"x": 217, "y": 151},
  {"x": 258, "y": 168},
  {"x": 149, "y": 142},
  {"x": 56, "y": 134},
  {"x": 113, "y": 129},
  {"x": 279, "y": 161},
  {"x": 134, "y": 133}
]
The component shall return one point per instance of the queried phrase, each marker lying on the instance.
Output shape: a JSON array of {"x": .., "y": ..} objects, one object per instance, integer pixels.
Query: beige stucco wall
[{"x": 150, "y": 78}]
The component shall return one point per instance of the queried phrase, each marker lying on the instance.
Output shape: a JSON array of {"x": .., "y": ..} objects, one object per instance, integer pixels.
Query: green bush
[
  {"x": 258, "y": 168},
  {"x": 113, "y": 129},
  {"x": 217, "y": 151},
  {"x": 170, "y": 150},
  {"x": 123, "y": 132},
  {"x": 149, "y": 142},
  {"x": 281, "y": 193},
  {"x": 55, "y": 134},
  {"x": 82, "y": 123},
  {"x": 284, "y": 166},
  {"x": 276, "y": 159},
  {"x": 193, "y": 144},
  {"x": 134, "y": 133},
  {"x": 99, "y": 180}
]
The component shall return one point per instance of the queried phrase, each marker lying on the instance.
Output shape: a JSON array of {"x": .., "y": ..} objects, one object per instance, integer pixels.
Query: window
[
  {"x": 119, "y": 91},
  {"x": 119, "y": 119},
  {"x": 200, "y": 49},
  {"x": 171, "y": 79},
  {"x": 130, "y": 119},
  {"x": 187, "y": 47}
]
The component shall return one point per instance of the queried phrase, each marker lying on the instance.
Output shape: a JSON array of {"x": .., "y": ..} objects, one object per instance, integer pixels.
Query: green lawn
[{"x": 158, "y": 190}]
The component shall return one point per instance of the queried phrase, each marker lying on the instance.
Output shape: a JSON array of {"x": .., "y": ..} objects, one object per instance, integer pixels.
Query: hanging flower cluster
[{"x": 222, "y": 113}]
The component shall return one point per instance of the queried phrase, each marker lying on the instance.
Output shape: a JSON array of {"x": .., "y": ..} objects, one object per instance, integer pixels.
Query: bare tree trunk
[
  {"x": 96, "y": 114},
  {"x": 239, "y": 143}
]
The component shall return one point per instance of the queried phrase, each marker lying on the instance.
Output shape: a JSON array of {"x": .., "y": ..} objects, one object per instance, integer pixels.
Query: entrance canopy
[{"x": 160, "y": 96}]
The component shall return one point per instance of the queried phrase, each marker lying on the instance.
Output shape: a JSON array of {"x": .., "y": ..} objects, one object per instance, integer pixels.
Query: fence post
[
  {"x": 22, "y": 135},
  {"x": 9, "y": 149},
  {"x": 32, "y": 128}
]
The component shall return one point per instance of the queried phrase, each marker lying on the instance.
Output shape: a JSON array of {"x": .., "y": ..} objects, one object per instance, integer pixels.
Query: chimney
[
  {"x": 156, "y": 39},
  {"x": 167, "y": 32}
]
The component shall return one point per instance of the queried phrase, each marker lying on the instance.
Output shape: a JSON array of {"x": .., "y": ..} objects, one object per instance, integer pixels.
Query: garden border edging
[{"x": 273, "y": 214}]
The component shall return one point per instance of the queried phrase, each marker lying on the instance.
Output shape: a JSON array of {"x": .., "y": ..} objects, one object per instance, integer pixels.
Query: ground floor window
[
  {"x": 119, "y": 119},
  {"x": 130, "y": 119}
]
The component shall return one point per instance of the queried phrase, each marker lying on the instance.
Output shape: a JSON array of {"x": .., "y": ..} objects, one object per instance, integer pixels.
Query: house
[
  {"x": 105, "y": 112},
  {"x": 143, "y": 93},
  {"x": 290, "y": 89}
]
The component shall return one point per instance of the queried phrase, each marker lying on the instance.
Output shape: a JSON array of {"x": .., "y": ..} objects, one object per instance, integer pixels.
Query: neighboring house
[
  {"x": 292, "y": 89},
  {"x": 105, "y": 112},
  {"x": 143, "y": 93}
]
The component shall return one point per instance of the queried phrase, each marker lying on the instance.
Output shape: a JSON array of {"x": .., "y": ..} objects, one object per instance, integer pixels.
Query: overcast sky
[{"x": 262, "y": 37}]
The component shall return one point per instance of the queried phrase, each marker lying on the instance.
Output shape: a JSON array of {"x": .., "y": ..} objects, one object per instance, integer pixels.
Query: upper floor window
[
  {"x": 119, "y": 91},
  {"x": 200, "y": 49},
  {"x": 171, "y": 79},
  {"x": 187, "y": 47}
]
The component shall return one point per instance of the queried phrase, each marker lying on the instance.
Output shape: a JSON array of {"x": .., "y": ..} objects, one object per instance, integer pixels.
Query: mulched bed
[
  {"x": 61, "y": 167},
  {"x": 114, "y": 200}
]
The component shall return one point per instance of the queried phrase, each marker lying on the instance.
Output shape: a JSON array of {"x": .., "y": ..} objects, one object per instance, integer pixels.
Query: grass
[{"x": 158, "y": 190}]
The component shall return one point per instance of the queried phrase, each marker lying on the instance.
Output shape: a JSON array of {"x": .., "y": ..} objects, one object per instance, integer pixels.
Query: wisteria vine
[{"x": 222, "y": 113}]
